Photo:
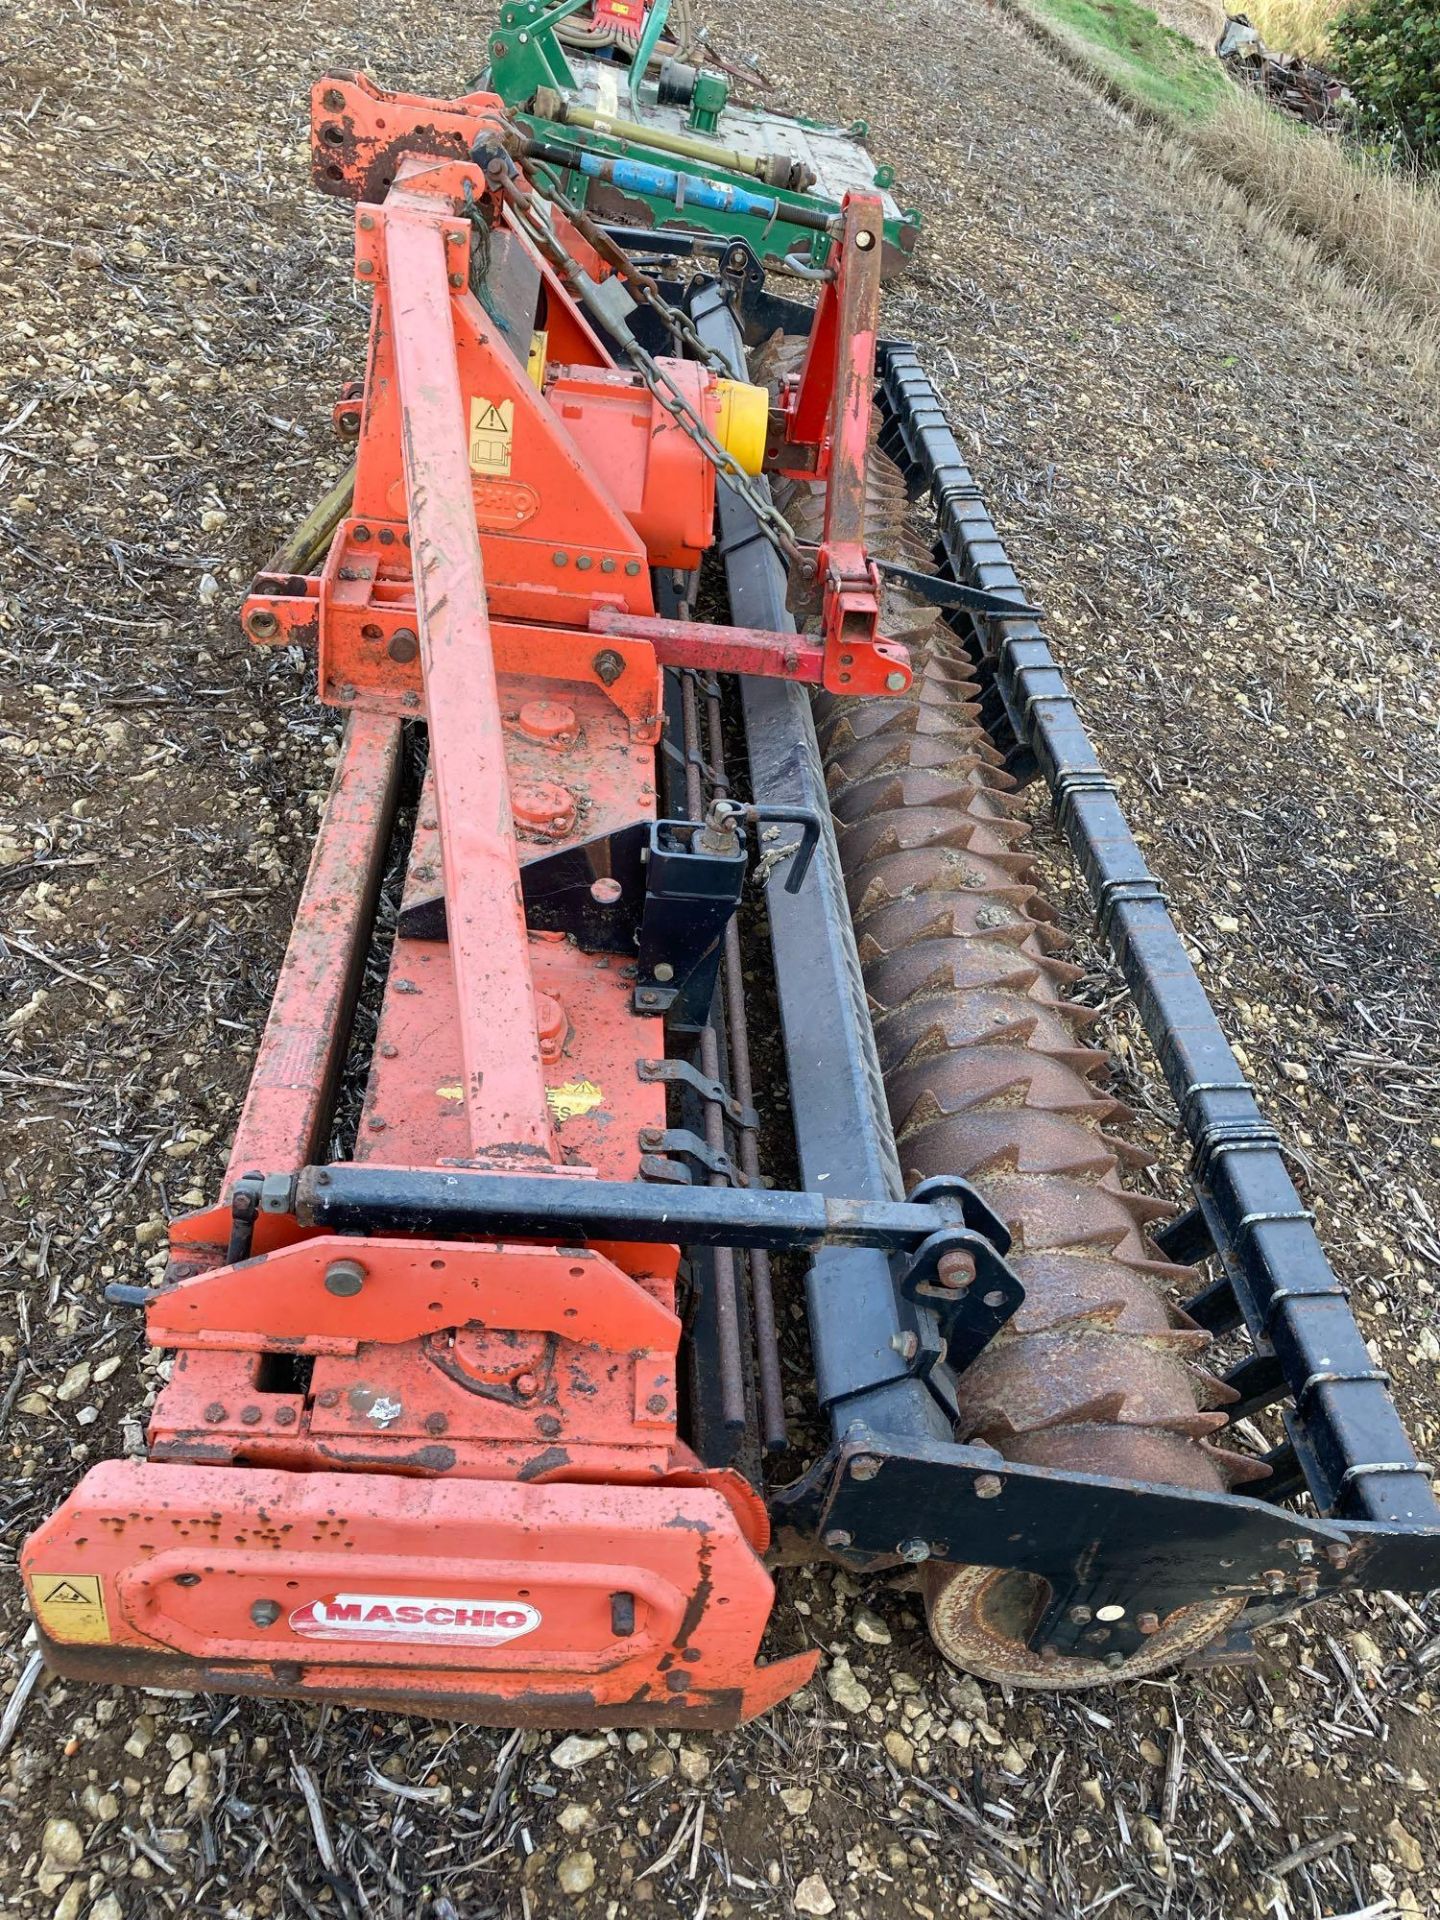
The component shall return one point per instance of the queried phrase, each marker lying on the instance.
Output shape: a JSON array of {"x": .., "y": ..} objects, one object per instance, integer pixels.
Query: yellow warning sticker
[
  {"x": 573, "y": 1099},
  {"x": 492, "y": 435},
  {"x": 70, "y": 1606}
]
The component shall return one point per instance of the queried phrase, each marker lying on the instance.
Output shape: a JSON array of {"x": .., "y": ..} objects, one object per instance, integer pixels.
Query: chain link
[{"x": 658, "y": 379}]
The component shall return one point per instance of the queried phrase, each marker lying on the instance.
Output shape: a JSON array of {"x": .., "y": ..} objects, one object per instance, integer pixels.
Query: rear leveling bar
[{"x": 349, "y": 1198}]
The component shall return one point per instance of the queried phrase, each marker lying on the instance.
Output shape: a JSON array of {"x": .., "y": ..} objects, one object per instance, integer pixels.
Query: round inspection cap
[
  {"x": 551, "y": 1024},
  {"x": 547, "y": 719},
  {"x": 544, "y": 806}
]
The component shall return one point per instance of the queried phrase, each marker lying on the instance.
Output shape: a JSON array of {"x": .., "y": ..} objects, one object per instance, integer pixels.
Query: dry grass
[
  {"x": 1382, "y": 226},
  {"x": 1368, "y": 233},
  {"x": 1294, "y": 26},
  {"x": 1199, "y": 20}
]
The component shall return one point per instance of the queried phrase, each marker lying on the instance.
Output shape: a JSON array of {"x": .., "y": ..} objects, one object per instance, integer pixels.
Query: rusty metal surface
[
  {"x": 989, "y": 1075},
  {"x": 287, "y": 1104}
]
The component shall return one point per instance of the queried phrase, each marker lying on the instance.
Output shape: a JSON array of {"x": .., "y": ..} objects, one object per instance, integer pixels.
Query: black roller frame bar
[
  {"x": 1347, "y": 1437},
  {"x": 352, "y": 1198},
  {"x": 844, "y": 1141}
]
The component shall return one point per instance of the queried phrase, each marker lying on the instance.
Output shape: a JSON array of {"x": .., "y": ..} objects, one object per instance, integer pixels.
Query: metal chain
[
  {"x": 661, "y": 383},
  {"x": 645, "y": 287}
]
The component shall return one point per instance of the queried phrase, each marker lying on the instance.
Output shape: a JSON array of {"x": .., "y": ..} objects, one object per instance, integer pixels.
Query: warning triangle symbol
[
  {"x": 491, "y": 421},
  {"x": 64, "y": 1594}
]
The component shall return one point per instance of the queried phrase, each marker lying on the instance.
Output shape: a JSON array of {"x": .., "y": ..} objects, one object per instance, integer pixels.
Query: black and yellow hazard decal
[
  {"x": 492, "y": 435},
  {"x": 70, "y": 1606}
]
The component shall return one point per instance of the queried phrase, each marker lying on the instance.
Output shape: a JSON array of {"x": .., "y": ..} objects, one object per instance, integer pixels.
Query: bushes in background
[{"x": 1389, "y": 53}]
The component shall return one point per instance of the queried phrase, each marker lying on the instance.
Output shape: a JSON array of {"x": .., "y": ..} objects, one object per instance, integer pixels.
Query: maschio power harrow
[{"x": 651, "y": 586}]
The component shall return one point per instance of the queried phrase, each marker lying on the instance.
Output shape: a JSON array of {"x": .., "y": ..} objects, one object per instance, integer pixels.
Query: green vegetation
[
  {"x": 1378, "y": 221},
  {"x": 1389, "y": 52},
  {"x": 1143, "y": 60}
]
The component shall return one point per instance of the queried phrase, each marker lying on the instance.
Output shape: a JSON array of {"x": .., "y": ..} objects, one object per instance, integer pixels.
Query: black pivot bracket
[
  {"x": 969, "y": 1287},
  {"x": 663, "y": 890}
]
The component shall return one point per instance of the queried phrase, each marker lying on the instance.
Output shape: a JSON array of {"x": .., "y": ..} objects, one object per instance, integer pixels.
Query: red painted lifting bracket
[{"x": 880, "y": 666}]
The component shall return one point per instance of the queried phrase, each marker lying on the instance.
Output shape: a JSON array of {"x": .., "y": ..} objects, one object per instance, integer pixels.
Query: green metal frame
[
  {"x": 525, "y": 49},
  {"x": 779, "y": 238}
]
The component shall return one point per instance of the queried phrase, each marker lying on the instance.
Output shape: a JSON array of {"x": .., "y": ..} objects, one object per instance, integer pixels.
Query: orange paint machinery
[{"x": 476, "y": 1369}]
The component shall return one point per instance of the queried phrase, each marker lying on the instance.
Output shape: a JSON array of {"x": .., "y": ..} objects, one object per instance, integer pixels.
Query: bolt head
[
  {"x": 913, "y": 1551},
  {"x": 988, "y": 1486},
  {"x": 214, "y": 1413},
  {"x": 527, "y": 1385},
  {"x": 836, "y": 1537},
  {"x": 955, "y": 1270},
  {"x": 265, "y": 1612},
  {"x": 344, "y": 1278},
  {"x": 1147, "y": 1623},
  {"x": 1081, "y": 1616},
  {"x": 896, "y": 682},
  {"x": 864, "y": 1466}
]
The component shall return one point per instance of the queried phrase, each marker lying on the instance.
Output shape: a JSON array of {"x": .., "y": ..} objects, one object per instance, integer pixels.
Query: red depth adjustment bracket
[{"x": 826, "y": 415}]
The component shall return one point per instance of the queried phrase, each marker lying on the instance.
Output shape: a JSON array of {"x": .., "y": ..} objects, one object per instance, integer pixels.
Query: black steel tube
[
  {"x": 742, "y": 1085},
  {"x": 352, "y": 1198},
  {"x": 842, "y": 1128},
  {"x": 727, "y": 1297}
]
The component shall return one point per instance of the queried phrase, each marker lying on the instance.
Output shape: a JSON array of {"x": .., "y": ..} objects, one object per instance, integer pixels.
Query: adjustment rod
[{"x": 720, "y": 833}]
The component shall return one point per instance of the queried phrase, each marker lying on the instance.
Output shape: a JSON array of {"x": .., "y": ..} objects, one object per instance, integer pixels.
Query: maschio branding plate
[{"x": 455, "y": 1620}]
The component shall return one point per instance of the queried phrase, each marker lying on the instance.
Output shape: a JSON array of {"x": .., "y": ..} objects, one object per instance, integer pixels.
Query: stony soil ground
[{"x": 1221, "y": 484}]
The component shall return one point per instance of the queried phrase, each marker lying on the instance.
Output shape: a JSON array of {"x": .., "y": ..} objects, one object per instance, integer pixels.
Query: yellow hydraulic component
[
  {"x": 535, "y": 363},
  {"x": 744, "y": 422}
]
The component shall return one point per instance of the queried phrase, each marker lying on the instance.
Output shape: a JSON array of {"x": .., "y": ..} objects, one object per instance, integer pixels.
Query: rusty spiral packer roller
[{"x": 474, "y": 1389}]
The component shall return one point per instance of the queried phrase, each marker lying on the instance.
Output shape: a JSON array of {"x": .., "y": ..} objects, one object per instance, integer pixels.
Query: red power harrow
[{"x": 422, "y": 1442}]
